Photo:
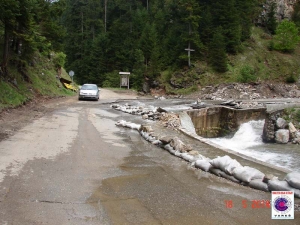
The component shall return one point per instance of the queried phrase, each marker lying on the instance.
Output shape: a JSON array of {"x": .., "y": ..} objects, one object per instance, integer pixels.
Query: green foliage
[
  {"x": 112, "y": 79},
  {"x": 292, "y": 115},
  {"x": 297, "y": 115},
  {"x": 271, "y": 23},
  {"x": 247, "y": 74},
  {"x": 291, "y": 79},
  {"x": 137, "y": 79},
  {"x": 296, "y": 14},
  {"x": 9, "y": 96},
  {"x": 218, "y": 57},
  {"x": 287, "y": 36},
  {"x": 59, "y": 59}
]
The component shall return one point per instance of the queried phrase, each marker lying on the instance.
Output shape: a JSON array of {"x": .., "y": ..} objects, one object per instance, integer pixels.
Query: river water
[{"x": 247, "y": 140}]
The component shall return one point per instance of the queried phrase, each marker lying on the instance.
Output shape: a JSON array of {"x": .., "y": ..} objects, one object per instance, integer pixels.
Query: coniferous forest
[{"x": 145, "y": 37}]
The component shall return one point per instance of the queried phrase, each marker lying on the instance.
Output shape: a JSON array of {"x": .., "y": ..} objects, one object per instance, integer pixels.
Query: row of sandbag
[{"x": 225, "y": 166}]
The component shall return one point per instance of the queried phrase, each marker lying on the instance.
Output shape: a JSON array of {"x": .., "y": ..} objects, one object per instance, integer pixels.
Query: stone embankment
[{"x": 277, "y": 129}]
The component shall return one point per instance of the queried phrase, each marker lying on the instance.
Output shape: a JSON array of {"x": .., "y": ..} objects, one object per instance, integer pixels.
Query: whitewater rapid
[{"x": 248, "y": 141}]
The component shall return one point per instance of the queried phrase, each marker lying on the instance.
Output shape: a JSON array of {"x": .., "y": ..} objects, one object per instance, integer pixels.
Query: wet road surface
[{"x": 76, "y": 167}]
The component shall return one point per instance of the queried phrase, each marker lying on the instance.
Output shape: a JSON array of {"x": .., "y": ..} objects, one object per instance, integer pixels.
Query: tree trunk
[{"x": 5, "y": 52}]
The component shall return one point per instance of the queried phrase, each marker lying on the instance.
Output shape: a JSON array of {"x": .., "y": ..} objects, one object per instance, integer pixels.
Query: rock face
[
  {"x": 284, "y": 10},
  {"x": 282, "y": 136}
]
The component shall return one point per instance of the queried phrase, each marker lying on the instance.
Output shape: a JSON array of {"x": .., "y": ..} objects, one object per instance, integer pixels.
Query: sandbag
[
  {"x": 293, "y": 179},
  {"x": 229, "y": 177},
  {"x": 187, "y": 157},
  {"x": 215, "y": 171},
  {"x": 225, "y": 163},
  {"x": 203, "y": 165},
  {"x": 278, "y": 185},
  {"x": 231, "y": 166},
  {"x": 156, "y": 142},
  {"x": 178, "y": 153},
  {"x": 168, "y": 148},
  {"x": 221, "y": 162},
  {"x": 259, "y": 185},
  {"x": 246, "y": 173}
]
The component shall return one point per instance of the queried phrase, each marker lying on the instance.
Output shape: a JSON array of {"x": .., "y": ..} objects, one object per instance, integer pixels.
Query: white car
[{"x": 89, "y": 91}]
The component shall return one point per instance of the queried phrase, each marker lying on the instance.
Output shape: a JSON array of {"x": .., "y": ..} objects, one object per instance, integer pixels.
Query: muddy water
[{"x": 159, "y": 188}]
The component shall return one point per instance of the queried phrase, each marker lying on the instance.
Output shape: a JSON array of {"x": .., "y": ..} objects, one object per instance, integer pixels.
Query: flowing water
[{"x": 247, "y": 140}]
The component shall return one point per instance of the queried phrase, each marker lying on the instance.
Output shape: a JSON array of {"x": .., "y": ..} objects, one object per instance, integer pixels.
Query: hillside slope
[
  {"x": 255, "y": 63},
  {"x": 31, "y": 82}
]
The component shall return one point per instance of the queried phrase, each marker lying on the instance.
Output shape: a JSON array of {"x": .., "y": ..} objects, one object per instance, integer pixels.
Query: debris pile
[
  {"x": 169, "y": 120},
  {"x": 248, "y": 91}
]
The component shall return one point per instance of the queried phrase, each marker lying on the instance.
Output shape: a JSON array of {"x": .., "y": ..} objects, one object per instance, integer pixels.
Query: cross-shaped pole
[{"x": 189, "y": 53}]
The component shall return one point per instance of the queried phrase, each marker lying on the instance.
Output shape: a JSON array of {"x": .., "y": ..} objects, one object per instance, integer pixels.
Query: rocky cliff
[{"x": 284, "y": 9}]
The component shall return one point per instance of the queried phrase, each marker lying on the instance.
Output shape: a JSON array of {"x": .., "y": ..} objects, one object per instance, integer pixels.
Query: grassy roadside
[{"x": 37, "y": 80}]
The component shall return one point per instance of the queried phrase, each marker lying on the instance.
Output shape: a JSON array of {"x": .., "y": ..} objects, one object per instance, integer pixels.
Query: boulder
[
  {"x": 281, "y": 123},
  {"x": 270, "y": 125},
  {"x": 292, "y": 130},
  {"x": 166, "y": 139},
  {"x": 178, "y": 145},
  {"x": 282, "y": 136},
  {"x": 146, "y": 128}
]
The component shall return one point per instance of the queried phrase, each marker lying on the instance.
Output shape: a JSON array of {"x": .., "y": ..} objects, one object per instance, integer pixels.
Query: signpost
[{"x": 71, "y": 73}]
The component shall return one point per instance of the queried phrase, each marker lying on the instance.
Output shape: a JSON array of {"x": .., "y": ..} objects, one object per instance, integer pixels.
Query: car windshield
[{"x": 89, "y": 87}]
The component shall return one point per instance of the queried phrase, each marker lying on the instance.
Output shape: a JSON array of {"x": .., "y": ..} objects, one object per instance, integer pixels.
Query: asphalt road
[{"x": 74, "y": 166}]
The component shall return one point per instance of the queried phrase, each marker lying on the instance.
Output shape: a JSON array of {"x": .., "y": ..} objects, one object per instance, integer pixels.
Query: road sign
[{"x": 71, "y": 73}]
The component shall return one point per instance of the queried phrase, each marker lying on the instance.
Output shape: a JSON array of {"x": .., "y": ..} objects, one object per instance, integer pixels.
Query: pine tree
[
  {"x": 225, "y": 14},
  {"x": 271, "y": 23},
  {"x": 217, "y": 52}
]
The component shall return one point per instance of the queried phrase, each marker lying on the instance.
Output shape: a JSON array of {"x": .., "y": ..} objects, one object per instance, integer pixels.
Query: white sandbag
[
  {"x": 221, "y": 162},
  {"x": 278, "y": 185},
  {"x": 215, "y": 171},
  {"x": 200, "y": 157},
  {"x": 121, "y": 123},
  {"x": 203, "y": 165},
  {"x": 231, "y": 166},
  {"x": 178, "y": 153},
  {"x": 229, "y": 177},
  {"x": 259, "y": 185},
  {"x": 172, "y": 151},
  {"x": 156, "y": 142},
  {"x": 169, "y": 148},
  {"x": 128, "y": 124},
  {"x": 135, "y": 126},
  {"x": 150, "y": 138},
  {"x": 246, "y": 173},
  {"x": 187, "y": 157},
  {"x": 293, "y": 179}
]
